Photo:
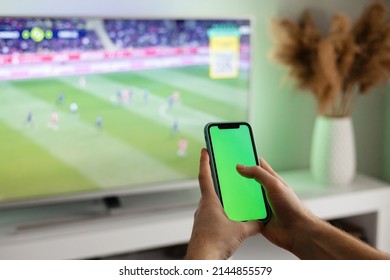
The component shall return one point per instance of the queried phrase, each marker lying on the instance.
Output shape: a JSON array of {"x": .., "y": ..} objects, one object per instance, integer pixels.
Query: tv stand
[
  {"x": 40, "y": 218},
  {"x": 34, "y": 232},
  {"x": 112, "y": 202},
  {"x": 159, "y": 220}
]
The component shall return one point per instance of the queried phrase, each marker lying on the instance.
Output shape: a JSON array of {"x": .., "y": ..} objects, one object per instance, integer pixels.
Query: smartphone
[{"x": 228, "y": 144}]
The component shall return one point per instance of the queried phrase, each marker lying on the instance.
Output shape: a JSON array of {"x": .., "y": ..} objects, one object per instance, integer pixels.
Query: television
[{"x": 102, "y": 107}]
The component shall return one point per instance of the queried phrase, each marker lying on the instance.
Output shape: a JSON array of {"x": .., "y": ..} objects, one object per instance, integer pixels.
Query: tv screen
[{"x": 95, "y": 107}]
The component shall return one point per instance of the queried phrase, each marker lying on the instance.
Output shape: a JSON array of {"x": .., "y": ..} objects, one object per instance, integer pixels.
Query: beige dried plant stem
[{"x": 336, "y": 67}]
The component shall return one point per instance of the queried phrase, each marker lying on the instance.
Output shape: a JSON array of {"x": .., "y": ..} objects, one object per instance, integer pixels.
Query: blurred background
[{"x": 281, "y": 115}]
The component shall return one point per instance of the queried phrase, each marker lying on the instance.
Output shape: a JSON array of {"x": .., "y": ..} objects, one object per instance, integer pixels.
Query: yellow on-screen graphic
[{"x": 224, "y": 52}]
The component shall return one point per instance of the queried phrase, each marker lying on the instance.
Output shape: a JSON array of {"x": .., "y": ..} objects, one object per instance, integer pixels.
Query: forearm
[
  {"x": 320, "y": 240},
  {"x": 201, "y": 252}
]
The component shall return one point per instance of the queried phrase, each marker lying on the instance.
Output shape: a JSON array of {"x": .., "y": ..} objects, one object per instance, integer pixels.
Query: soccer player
[
  {"x": 173, "y": 99},
  {"x": 126, "y": 96},
  {"x": 99, "y": 122},
  {"x": 53, "y": 124},
  {"x": 175, "y": 126},
  {"x": 146, "y": 95},
  {"x": 29, "y": 119},
  {"x": 82, "y": 82},
  {"x": 183, "y": 145},
  {"x": 60, "y": 98},
  {"x": 119, "y": 97}
]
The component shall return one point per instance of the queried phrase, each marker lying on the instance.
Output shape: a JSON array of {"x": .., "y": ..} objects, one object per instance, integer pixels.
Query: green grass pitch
[{"x": 151, "y": 130}]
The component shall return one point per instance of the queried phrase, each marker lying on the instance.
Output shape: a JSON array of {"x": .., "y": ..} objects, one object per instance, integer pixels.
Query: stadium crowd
[
  {"x": 168, "y": 33},
  {"x": 123, "y": 33}
]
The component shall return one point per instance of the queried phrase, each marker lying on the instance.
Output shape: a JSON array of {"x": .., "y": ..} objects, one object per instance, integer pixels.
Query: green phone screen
[{"x": 242, "y": 198}]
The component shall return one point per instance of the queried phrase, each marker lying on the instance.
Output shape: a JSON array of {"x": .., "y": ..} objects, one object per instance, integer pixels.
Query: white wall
[{"x": 283, "y": 118}]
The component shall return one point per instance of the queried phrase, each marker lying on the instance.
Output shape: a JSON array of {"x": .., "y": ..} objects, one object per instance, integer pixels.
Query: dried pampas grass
[{"x": 335, "y": 67}]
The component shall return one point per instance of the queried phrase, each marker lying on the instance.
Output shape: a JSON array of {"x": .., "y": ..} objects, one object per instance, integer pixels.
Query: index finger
[{"x": 205, "y": 179}]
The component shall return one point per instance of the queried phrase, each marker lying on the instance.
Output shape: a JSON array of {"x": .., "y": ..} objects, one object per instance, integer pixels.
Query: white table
[{"x": 84, "y": 230}]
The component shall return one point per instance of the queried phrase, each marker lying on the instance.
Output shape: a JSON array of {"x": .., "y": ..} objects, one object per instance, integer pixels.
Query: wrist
[
  {"x": 202, "y": 252},
  {"x": 303, "y": 233}
]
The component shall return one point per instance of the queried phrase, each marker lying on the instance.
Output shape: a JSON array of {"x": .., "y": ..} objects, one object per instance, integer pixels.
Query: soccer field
[{"x": 80, "y": 134}]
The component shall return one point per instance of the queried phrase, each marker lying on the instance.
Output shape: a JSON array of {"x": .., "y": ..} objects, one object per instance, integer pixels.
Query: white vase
[{"x": 333, "y": 154}]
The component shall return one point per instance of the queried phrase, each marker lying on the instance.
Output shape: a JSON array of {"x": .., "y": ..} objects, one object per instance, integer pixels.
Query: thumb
[{"x": 261, "y": 175}]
